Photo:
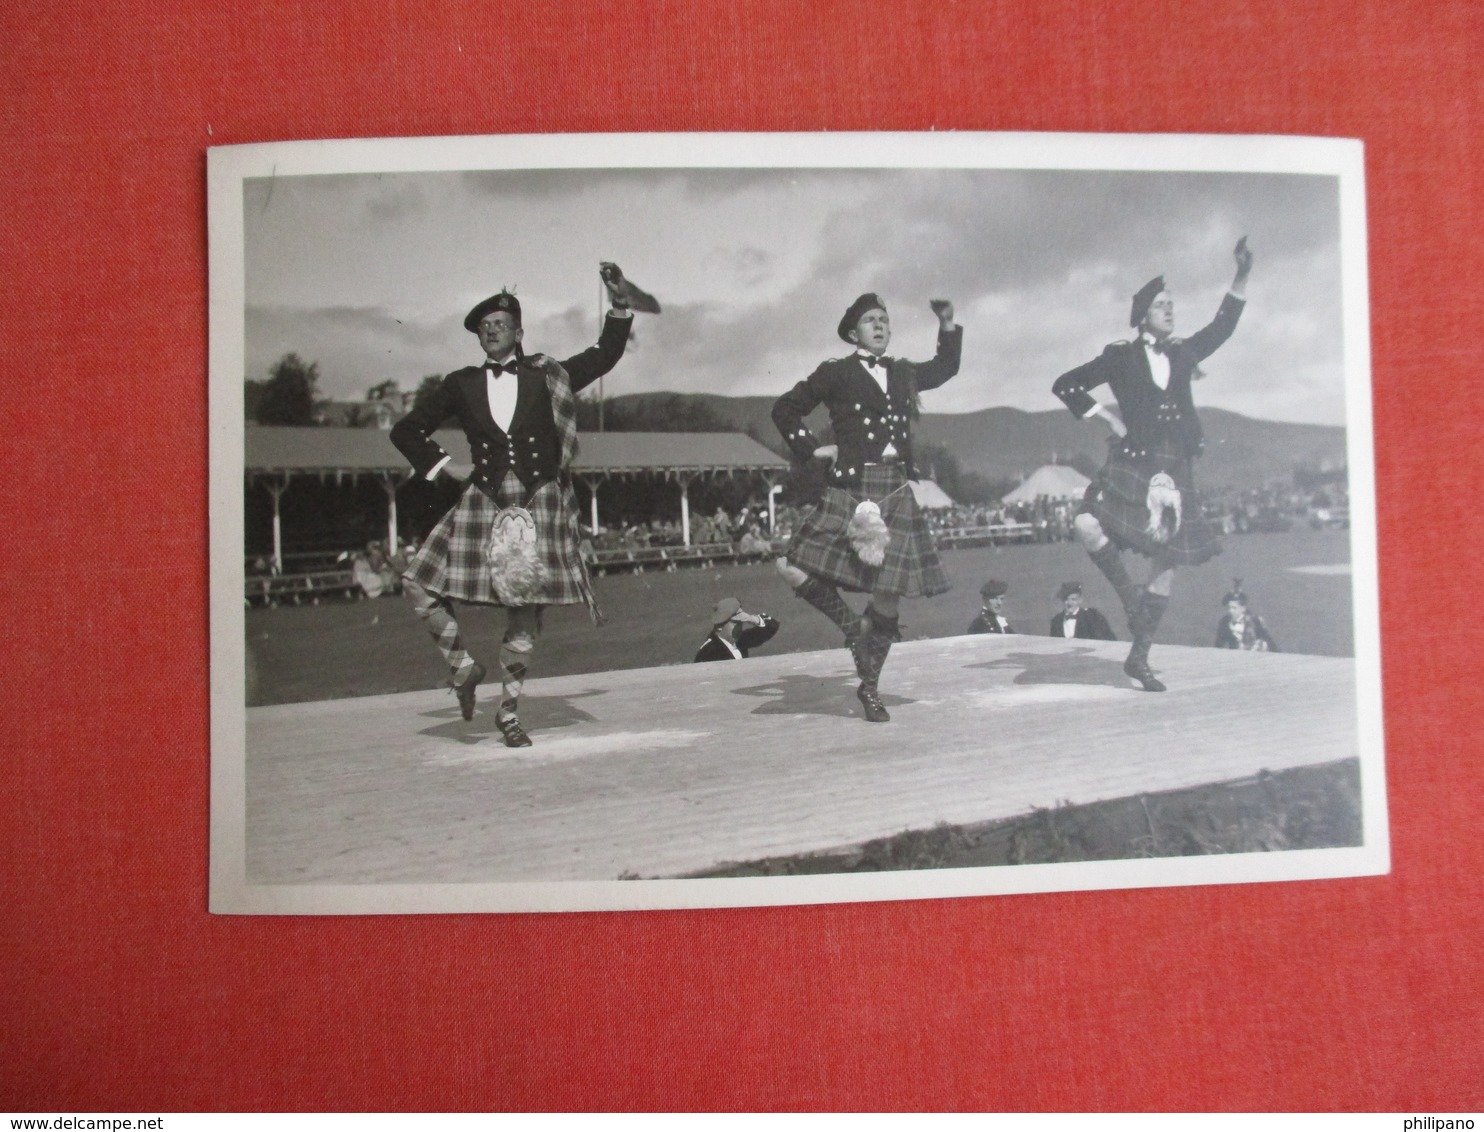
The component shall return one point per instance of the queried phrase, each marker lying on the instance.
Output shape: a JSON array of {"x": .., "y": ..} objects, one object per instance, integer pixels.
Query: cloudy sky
[{"x": 370, "y": 275}]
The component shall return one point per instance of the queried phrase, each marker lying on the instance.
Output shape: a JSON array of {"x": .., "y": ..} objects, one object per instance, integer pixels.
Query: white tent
[
  {"x": 929, "y": 495},
  {"x": 1055, "y": 481}
]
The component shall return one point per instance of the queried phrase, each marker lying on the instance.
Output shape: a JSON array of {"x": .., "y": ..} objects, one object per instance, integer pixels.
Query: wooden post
[
  {"x": 592, "y": 492},
  {"x": 389, "y": 485},
  {"x": 684, "y": 509},
  {"x": 276, "y": 489},
  {"x": 773, "y": 490}
]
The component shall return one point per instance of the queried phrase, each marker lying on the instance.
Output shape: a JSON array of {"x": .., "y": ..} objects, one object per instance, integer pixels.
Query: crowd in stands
[
  {"x": 1051, "y": 519},
  {"x": 746, "y": 531}
]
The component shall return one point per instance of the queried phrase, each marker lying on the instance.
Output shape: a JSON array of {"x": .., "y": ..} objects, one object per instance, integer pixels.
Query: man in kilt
[
  {"x": 1145, "y": 498},
  {"x": 866, "y": 535},
  {"x": 518, "y": 413}
]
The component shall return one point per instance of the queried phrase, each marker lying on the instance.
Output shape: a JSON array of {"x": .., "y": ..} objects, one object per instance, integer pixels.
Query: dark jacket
[
  {"x": 864, "y": 419},
  {"x": 1091, "y": 625},
  {"x": 988, "y": 623},
  {"x": 1253, "y": 631},
  {"x": 1147, "y": 410},
  {"x": 533, "y": 446},
  {"x": 714, "y": 648}
]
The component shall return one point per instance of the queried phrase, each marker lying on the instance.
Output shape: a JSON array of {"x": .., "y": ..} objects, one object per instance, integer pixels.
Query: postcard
[{"x": 680, "y": 521}]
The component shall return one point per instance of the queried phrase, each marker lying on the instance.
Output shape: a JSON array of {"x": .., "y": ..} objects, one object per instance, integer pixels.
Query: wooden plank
[{"x": 663, "y": 771}]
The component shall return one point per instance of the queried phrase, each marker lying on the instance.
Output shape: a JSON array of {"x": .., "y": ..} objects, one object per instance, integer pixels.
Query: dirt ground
[
  {"x": 1315, "y": 807},
  {"x": 339, "y": 649}
]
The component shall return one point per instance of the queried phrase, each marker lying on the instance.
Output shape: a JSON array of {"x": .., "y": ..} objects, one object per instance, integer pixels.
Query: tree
[
  {"x": 387, "y": 389},
  {"x": 288, "y": 397}
]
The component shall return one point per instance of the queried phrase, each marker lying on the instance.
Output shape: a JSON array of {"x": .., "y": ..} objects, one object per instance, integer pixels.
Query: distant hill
[{"x": 1241, "y": 451}]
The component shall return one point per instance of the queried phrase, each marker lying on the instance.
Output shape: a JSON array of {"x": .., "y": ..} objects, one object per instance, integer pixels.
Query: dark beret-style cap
[
  {"x": 870, "y": 301},
  {"x": 504, "y": 301},
  {"x": 1143, "y": 297},
  {"x": 993, "y": 588},
  {"x": 725, "y": 610},
  {"x": 1068, "y": 589}
]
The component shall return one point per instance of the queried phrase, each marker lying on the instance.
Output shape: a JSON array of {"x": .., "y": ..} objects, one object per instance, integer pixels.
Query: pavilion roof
[{"x": 278, "y": 450}]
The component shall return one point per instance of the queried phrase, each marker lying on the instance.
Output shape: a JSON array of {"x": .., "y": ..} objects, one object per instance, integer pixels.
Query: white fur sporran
[
  {"x": 516, "y": 570},
  {"x": 1163, "y": 502},
  {"x": 868, "y": 534}
]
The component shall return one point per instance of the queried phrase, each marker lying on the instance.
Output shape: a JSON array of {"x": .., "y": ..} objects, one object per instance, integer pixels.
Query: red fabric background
[{"x": 120, "y": 992}]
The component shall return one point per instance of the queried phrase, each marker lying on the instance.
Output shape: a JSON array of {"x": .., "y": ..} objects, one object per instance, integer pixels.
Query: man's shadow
[
  {"x": 537, "y": 713},
  {"x": 811, "y": 695},
  {"x": 1076, "y": 666}
]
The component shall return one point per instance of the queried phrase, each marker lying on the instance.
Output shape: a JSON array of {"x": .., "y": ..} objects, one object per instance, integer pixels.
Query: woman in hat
[
  {"x": 866, "y": 535},
  {"x": 1145, "y": 499}
]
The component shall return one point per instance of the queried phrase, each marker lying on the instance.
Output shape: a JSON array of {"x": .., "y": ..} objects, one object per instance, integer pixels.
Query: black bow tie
[
  {"x": 496, "y": 367},
  {"x": 1162, "y": 345},
  {"x": 872, "y": 361}
]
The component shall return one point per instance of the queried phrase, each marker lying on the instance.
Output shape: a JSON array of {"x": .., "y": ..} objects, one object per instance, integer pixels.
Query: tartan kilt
[
  {"x": 911, "y": 568},
  {"x": 452, "y": 562},
  {"x": 1117, "y": 497}
]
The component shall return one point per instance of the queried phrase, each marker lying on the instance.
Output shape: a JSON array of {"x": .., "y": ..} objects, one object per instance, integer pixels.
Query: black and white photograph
[{"x": 652, "y": 521}]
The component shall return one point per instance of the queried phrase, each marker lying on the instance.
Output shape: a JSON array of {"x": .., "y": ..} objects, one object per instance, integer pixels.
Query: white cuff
[
  {"x": 436, "y": 468},
  {"x": 1092, "y": 412},
  {"x": 620, "y": 312}
]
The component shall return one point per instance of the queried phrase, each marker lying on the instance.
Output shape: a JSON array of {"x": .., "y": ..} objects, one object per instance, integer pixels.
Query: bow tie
[
  {"x": 1161, "y": 345},
  {"x": 872, "y": 361},
  {"x": 497, "y": 368}
]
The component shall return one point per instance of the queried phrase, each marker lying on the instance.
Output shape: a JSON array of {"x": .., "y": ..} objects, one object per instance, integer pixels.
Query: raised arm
[
  {"x": 1206, "y": 341},
  {"x": 930, "y": 375}
]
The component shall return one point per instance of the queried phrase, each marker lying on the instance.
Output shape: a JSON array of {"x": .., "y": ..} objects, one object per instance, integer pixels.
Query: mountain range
[{"x": 1004, "y": 443}]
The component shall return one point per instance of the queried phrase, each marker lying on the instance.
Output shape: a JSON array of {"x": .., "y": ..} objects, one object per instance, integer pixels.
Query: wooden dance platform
[{"x": 659, "y": 772}]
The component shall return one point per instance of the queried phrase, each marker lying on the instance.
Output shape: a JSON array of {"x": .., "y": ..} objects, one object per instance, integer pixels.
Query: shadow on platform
[
  {"x": 1079, "y": 666},
  {"x": 537, "y": 713},
  {"x": 811, "y": 695}
]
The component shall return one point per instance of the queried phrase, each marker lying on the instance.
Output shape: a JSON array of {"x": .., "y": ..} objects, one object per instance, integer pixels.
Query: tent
[
  {"x": 930, "y": 496},
  {"x": 1055, "y": 481}
]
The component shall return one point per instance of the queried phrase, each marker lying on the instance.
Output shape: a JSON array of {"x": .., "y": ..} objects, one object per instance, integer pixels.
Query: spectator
[
  {"x": 992, "y": 617},
  {"x": 1241, "y": 629},
  {"x": 1077, "y": 620},
  {"x": 728, "y": 613}
]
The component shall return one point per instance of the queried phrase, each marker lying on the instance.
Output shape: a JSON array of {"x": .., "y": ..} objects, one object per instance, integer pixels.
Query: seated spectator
[
  {"x": 747, "y": 632},
  {"x": 1240, "y": 628},
  {"x": 992, "y": 617},
  {"x": 1077, "y": 620}
]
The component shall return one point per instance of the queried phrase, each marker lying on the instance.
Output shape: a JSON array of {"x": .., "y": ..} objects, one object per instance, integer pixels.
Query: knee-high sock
[
  {"x": 437, "y": 614},
  {"x": 515, "y": 659},
  {"x": 826, "y": 598},
  {"x": 873, "y": 645},
  {"x": 1151, "y": 612},
  {"x": 1110, "y": 563}
]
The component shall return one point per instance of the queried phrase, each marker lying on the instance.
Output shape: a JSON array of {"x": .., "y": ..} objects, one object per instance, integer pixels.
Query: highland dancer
[
  {"x": 1145, "y": 499},
  {"x": 866, "y": 535},
  {"x": 511, "y": 540}
]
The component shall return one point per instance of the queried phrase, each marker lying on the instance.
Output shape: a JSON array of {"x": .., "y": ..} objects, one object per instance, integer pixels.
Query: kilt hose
[
  {"x": 1118, "y": 499},
  {"x": 452, "y": 562},
  {"x": 911, "y": 568}
]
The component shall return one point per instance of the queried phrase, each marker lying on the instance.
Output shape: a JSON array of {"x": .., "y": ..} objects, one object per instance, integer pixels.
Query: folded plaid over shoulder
[
  {"x": 821, "y": 546},
  {"x": 453, "y": 561},
  {"x": 1118, "y": 498}
]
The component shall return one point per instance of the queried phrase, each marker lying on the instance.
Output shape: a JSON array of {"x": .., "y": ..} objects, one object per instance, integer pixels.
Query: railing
[
  {"x": 991, "y": 534},
  {"x": 636, "y": 560},
  {"x": 300, "y": 589}
]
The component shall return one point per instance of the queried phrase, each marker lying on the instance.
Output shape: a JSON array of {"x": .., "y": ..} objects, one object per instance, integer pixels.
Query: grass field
[
  {"x": 1311, "y": 807},
  {"x": 1298, "y": 581}
]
